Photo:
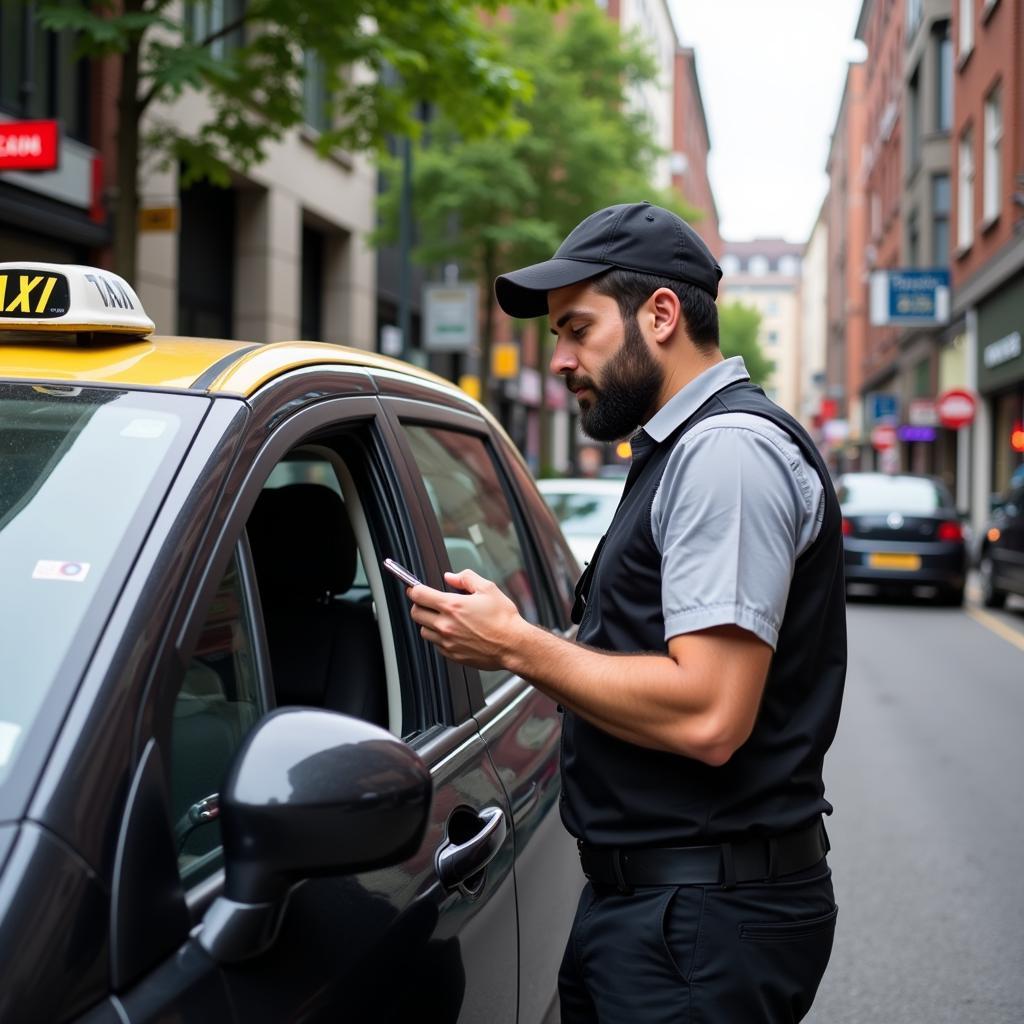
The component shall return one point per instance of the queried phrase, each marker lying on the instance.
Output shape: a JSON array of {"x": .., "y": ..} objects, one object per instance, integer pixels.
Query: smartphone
[{"x": 401, "y": 572}]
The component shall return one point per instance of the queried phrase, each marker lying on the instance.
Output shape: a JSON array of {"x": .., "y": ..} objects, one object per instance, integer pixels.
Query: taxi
[{"x": 235, "y": 783}]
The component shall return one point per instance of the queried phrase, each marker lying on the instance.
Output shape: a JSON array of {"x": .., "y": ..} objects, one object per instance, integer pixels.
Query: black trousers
[{"x": 682, "y": 954}]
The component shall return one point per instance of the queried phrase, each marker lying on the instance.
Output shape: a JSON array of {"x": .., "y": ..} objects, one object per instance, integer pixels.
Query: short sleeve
[{"x": 728, "y": 519}]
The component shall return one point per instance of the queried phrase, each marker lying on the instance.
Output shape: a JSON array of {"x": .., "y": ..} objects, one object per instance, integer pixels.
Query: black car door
[
  {"x": 487, "y": 516},
  {"x": 1010, "y": 549},
  {"x": 390, "y": 945}
]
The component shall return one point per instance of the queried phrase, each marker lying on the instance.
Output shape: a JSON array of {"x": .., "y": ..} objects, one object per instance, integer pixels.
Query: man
[{"x": 704, "y": 685}]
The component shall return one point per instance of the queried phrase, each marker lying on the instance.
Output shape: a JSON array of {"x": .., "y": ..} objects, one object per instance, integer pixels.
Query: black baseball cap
[{"x": 632, "y": 236}]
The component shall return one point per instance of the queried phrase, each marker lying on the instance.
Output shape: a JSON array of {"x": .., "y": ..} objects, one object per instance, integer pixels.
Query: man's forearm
[{"x": 647, "y": 699}]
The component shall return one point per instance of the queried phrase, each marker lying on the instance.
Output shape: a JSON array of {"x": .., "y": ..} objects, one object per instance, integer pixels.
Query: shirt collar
[{"x": 685, "y": 402}]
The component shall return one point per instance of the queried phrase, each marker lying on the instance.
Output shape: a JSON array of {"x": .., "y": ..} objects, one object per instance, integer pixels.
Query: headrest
[{"x": 302, "y": 543}]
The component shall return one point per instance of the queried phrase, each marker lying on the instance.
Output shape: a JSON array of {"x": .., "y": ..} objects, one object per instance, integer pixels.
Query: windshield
[
  {"x": 583, "y": 515},
  {"x": 863, "y": 495},
  {"x": 82, "y": 471}
]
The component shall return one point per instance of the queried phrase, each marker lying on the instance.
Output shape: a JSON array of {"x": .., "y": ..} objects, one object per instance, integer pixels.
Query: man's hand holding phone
[{"x": 476, "y": 624}]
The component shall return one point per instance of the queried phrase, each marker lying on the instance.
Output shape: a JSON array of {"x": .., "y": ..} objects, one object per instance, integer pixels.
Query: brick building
[
  {"x": 988, "y": 238},
  {"x": 846, "y": 213},
  {"x": 881, "y": 28}
]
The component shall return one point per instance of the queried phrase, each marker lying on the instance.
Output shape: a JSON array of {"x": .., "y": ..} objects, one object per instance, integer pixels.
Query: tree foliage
[
  {"x": 379, "y": 60},
  {"x": 738, "y": 326},
  {"x": 503, "y": 201}
]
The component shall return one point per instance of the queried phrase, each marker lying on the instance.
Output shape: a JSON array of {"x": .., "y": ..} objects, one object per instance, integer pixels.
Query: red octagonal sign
[
  {"x": 883, "y": 437},
  {"x": 955, "y": 408}
]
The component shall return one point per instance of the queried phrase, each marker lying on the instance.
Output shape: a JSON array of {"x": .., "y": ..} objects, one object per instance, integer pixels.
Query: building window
[
  {"x": 316, "y": 109},
  {"x": 772, "y": 337},
  {"x": 944, "y": 78},
  {"x": 758, "y": 266},
  {"x": 966, "y": 40},
  {"x": 940, "y": 219},
  {"x": 220, "y": 18},
  {"x": 789, "y": 266},
  {"x": 992, "y": 200},
  {"x": 922, "y": 379},
  {"x": 965, "y": 192},
  {"x": 913, "y": 240},
  {"x": 913, "y": 124},
  {"x": 913, "y": 17},
  {"x": 59, "y": 84},
  {"x": 311, "y": 311},
  {"x": 730, "y": 264}
]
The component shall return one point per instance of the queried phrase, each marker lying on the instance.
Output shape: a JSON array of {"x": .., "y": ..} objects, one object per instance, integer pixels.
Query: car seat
[{"x": 324, "y": 650}]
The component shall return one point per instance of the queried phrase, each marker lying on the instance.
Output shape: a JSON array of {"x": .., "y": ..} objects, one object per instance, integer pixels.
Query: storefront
[{"x": 1001, "y": 377}]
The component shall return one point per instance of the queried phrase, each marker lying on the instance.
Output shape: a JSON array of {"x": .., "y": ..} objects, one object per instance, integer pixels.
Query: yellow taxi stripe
[{"x": 999, "y": 628}]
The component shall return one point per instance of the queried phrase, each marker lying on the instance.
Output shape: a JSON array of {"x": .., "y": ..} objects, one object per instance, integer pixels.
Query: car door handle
[{"x": 457, "y": 862}]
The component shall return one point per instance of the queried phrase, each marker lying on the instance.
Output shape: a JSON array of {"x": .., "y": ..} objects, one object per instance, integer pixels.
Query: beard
[{"x": 628, "y": 393}]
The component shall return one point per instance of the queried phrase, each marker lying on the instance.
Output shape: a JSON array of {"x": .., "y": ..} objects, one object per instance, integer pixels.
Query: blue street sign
[
  {"x": 881, "y": 407},
  {"x": 912, "y": 297}
]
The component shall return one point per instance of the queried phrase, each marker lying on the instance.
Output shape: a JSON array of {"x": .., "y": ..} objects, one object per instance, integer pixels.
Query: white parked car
[{"x": 584, "y": 507}]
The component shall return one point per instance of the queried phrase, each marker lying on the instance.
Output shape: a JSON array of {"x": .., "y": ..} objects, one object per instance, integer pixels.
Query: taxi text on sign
[
  {"x": 33, "y": 295},
  {"x": 29, "y": 146}
]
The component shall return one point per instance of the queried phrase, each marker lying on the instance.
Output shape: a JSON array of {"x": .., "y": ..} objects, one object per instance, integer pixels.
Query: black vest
[{"x": 617, "y": 793}]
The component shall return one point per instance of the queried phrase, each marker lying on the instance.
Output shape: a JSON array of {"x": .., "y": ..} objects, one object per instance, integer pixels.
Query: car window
[
  {"x": 474, "y": 516},
  {"x": 330, "y": 642},
  {"x": 217, "y": 704},
  {"x": 876, "y": 493}
]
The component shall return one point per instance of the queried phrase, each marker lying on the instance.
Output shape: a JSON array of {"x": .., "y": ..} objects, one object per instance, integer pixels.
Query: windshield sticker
[
  {"x": 9, "y": 733},
  {"x": 145, "y": 428},
  {"x": 71, "y": 572}
]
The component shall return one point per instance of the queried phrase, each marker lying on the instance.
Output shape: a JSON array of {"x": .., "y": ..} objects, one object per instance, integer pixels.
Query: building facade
[
  {"x": 988, "y": 237},
  {"x": 881, "y": 28},
  {"x": 59, "y": 215},
  {"x": 280, "y": 254},
  {"x": 847, "y": 310},
  {"x": 691, "y": 145},
  {"x": 815, "y": 406},
  {"x": 765, "y": 273},
  {"x": 930, "y": 359}
]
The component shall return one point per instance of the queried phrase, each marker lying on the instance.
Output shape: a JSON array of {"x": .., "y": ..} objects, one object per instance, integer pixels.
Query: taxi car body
[
  {"x": 902, "y": 531},
  {"x": 235, "y": 783}
]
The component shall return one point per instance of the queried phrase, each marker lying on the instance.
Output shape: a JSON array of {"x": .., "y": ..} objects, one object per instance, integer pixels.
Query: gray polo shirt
[{"x": 737, "y": 505}]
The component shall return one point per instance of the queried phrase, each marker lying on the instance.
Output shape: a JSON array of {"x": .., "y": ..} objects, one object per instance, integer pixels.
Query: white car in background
[{"x": 584, "y": 507}]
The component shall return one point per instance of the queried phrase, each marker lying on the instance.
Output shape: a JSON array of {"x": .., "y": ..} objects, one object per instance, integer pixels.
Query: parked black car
[
  {"x": 902, "y": 531},
  {"x": 236, "y": 785},
  {"x": 1001, "y": 552}
]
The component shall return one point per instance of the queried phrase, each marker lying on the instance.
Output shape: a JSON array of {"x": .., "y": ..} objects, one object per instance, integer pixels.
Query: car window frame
[
  {"x": 275, "y": 436},
  {"x": 415, "y": 411}
]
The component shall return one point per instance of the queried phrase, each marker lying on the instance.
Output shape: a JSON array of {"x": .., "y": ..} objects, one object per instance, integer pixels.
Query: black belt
[{"x": 725, "y": 864}]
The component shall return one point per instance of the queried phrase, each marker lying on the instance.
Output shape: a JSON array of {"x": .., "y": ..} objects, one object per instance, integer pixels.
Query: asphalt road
[{"x": 927, "y": 778}]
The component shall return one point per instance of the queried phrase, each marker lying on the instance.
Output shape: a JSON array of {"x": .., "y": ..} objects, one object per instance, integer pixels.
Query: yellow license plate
[{"x": 908, "y": 563}]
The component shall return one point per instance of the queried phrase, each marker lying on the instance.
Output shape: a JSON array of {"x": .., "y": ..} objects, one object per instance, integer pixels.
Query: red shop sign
[{"x": 29, "y": 145}]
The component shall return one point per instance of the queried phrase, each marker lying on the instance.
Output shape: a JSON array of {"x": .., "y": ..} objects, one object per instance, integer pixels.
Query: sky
[{"x": 771, "y": 76}]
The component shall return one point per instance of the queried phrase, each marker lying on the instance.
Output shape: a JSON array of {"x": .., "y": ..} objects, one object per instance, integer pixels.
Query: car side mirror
[
  {"x": 995, "y": 502},
  {"x": 309, "y": 793}
]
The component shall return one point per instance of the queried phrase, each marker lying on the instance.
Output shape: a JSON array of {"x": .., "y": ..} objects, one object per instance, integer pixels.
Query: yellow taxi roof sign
[{"x": 68, "y": 298}]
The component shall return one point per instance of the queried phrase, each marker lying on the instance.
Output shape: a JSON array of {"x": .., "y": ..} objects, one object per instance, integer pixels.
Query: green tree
[
  {"x": 251, "y": 66},
  {"x": 507, "y": 200},
  {"x": 737, "y": 327}
]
